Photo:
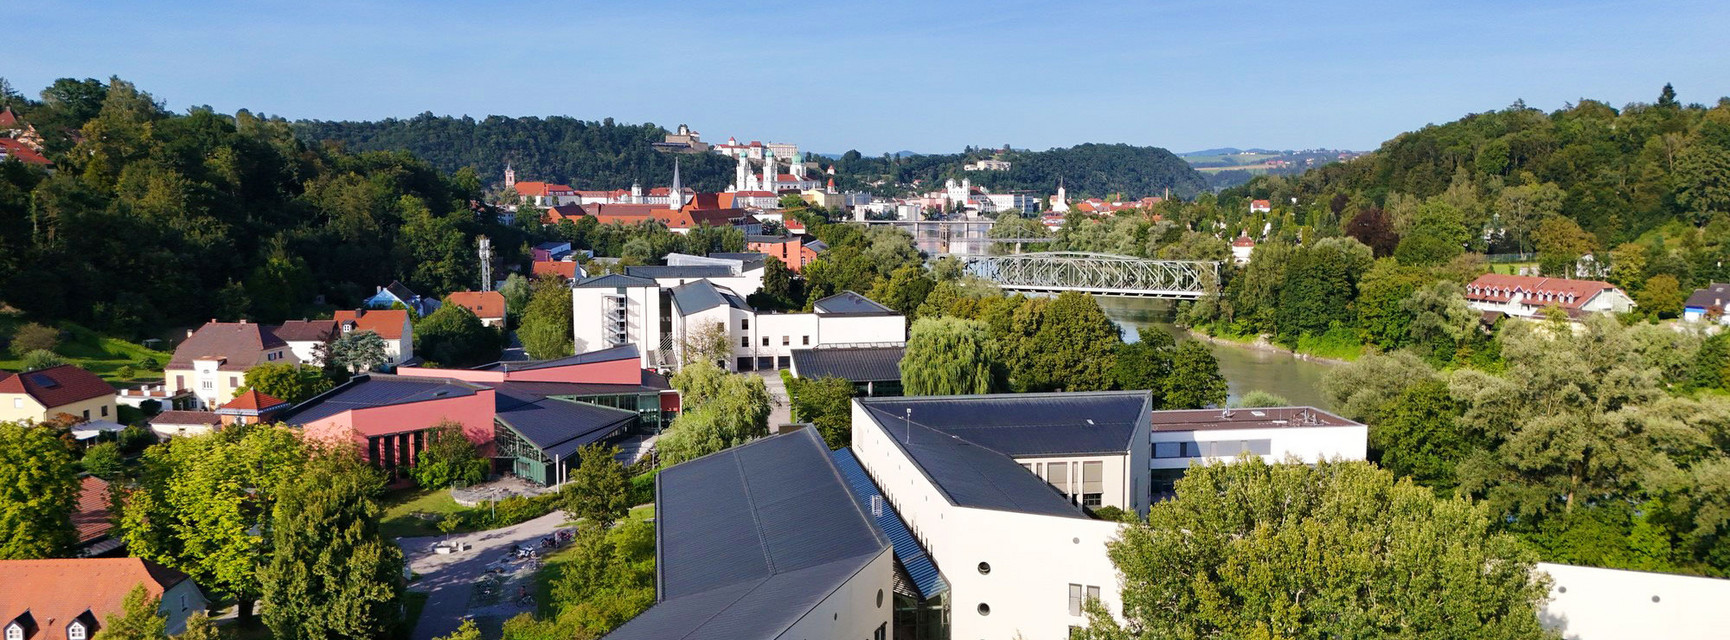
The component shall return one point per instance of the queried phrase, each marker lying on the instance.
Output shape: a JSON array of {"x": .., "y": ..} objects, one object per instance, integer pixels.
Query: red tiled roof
[
  {"x": 566, "y": 270},
  {"x": 92, "y": 517},
  {"x": 253, "y": 401},
  {"x": 7, "y": 118},
  {"x": 532, "y": 188},
  {"x": 485, "y": 304},
  {"x": 57, "y": 591},
  {"x": 23, "y": 153},
  {"x": 1564, "y": 293},
  {"x": 177, "y": 418},
  {"x": 564, "y": 212},
  {"x": 1243, "y": 241},
  {"x": 387, "y": 323},
  {"x": 56, "y": 386}
]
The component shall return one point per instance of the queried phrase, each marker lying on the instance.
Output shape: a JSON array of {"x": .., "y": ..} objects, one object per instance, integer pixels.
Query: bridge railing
[{"x": 1098, "y": 273}]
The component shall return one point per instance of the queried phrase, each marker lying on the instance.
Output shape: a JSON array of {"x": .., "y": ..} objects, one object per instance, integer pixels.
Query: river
[{"x": 1245, "y": 369}]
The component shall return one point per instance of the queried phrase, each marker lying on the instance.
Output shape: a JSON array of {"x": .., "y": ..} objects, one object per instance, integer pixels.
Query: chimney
[{"x": 188, "y": 333}]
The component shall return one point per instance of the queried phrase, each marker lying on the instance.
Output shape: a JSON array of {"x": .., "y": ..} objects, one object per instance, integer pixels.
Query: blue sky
[{"x": 883, "y": 76}]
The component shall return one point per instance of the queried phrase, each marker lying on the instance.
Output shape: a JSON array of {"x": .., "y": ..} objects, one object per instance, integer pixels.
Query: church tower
[
  {"x": 1060, "y": 202},
  {"x": 742, "y": 175},
  {"x": 676, "y": 195},
  {"x": 510, "y": 176},
  {"x": 769, "y": 173},
  {"x": 636, "y": 193}
]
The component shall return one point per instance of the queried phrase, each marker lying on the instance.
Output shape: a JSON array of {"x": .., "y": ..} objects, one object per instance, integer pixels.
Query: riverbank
[{"x": 1261, "y": 343}]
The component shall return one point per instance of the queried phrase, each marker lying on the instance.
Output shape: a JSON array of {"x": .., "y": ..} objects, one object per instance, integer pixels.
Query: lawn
[
  {"x": 401, "y": 509},
  {"x": 1512, "y": 268},
  {"x": 100, "y": 355}
]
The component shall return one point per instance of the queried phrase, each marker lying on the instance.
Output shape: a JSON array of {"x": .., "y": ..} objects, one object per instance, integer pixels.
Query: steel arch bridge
[{"x": 1096, "y": 273}]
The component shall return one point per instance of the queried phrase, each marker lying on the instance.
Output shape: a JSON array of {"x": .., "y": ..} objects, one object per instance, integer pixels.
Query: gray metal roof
[
  {"x": 680, "y": 271},
  {"x": 751, "y": 539},
  {"x": 849, "y": 303},
  {"x": 749, "y": 259},
  {"x": 610, "y": 280},
  {"x": 692, "y": 297},
  {"x": 965, "y": 444},
  {"x": 857, "y": 364},
  {"x": 1026, "y": 424},
  {"x": 376, "y": 390},
  {"x": 921, "y": 571},
  {"x": 621, "y": 352},
  {"x": 1254, "y": 418},
  {"x": 556, "y": 427}
]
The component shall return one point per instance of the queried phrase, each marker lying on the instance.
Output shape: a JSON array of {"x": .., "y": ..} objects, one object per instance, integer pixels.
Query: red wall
[
  {"x": 475, "y": 413},
  {"x": 627, "y": 371}
]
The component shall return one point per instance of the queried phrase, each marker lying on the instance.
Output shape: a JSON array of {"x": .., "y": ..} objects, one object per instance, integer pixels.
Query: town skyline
[{"x": 895, "y": 77}]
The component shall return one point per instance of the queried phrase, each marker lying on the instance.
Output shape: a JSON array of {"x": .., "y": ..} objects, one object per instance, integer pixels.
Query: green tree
[
  {"x": 1382, "y": 312},
  {"x": 1258, "y": 398},
  {"x": 199, "y": 627},
  {"x": 1442, "y": 321},
  {"x": 453, "y": 337},
  {"x": 1144, "y": 364},
  {"x": 949, "y": 356},
  {"x": 1662, "y": 296},
  {"x": 546, "y": 329},
  {"x": 1017, "y": 227},
  {"x": 449, "y": 458},
  {"x": 1075, "y": 343},
  {"x": 599, "y": 489},
  {"x": 331, "y": 574},
  {"x": 40, "y": 359},
  {"x": 1320, "y": 285},
  {"x": 1195, "y": 381},
  {"x": 1417, "y": 435},
  {"x": 38, "y": 493},
  {"x": 440, "y": 257},
  {"x": 103, "y": 460},
  {"x": 34, "y": 337},
  {"x": 1561, "y": 242},
  {"x": 711, "y": 343},
  {"x": 904, "y": 290},
  {"x": 137, "y": 619},
  {"x": 467, "y": 631},
  {"x": 516, "y": 290},
  {"x": 358, "y": 351},
  {"x": 201, "y": 504},
  {"x": 826, "y": 403},
  {"x": 292, "y": 383},
  {"x": 722, "y": 410},
  {"x": 1339, "y": 549}
]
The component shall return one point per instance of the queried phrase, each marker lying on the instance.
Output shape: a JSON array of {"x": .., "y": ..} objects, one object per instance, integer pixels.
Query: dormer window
[
  {"x": 14, "y": 631},
  {"x": 76, "y": 631}
]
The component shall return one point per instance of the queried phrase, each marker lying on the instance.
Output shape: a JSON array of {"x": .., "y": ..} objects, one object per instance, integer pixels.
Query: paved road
[
  {"x": 781, "y": 410},
  {"x": 449, "y": 580}
]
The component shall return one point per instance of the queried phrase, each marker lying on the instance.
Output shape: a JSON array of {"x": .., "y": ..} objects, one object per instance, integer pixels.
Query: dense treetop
[{"x": 1086, "y": 170}]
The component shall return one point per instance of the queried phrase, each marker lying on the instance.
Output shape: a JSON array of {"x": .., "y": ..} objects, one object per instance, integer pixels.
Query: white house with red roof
[
  {"x": 76, "y": 598},
  {"x": 1528, "y": 296},
  {"x": 1260, "y": 206},
  {"x": 391, "y": 324},
  {"x": 1241, "y": 248}
]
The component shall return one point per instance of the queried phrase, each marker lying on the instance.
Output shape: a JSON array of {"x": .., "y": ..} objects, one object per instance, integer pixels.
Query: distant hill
[
  {"x": 585, "y": 154},
  {"x": 1086, "y": 170},
  {"x": 1224, "y": 151}
]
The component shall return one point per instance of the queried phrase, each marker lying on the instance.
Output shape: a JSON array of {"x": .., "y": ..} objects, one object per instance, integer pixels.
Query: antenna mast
[{"x": 486, "y": 253}]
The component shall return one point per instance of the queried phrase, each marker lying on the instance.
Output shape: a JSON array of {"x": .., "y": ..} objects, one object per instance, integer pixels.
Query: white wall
[
  {"x": 1033, "y": 559},
  {"x": 1587, "y": 603},
  {"x": 857, "y": 609},
  {"x": 642, "y": 323},
  {"x": 1116, "y": 478},
  {"x": 862, "y": 329},
  {"x": 1308, "y": 444}
]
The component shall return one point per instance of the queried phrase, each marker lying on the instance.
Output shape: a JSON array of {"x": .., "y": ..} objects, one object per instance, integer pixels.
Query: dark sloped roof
[
  {"x": 306, "y": 330},
  {"x": 680, "y": 271},
  {"x": 56, "y": 386},
  {"x": 1716, "y": 294},
  {"x": 1026, "y": 424},
  {"x": 912, "y": 556},
  {"x": 651, "y": 383},
  {"x": 240, "y": 343},
  {"x": 972, "y": 476},
  {"x": 556, "y": 427},
  {"x": 375, "y": 390},
  {"x": 767, "y": 239},
  {"x": 751, "y": 259},
  {"x": 750, "y": 539},
  {"x": 692, "y": 297},
  {"x": 848, "y": 303},
  {"x": 858, "y": 364},
  {"x": 613, "y": 280},
  {"x": 621, "y": 352},
  {"x": 400, "y": 291}
]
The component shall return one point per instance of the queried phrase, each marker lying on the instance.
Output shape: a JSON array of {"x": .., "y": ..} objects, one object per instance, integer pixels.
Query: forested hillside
[
  {"x": 1618, "y": 173},
  {"x": 584, "y": 154},
  {"x": 1087, "y": 170},
  {"x": 152, "y": 219}
]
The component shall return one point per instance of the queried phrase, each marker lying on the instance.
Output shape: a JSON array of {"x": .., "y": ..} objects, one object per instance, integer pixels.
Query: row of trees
[{"x": 1086, "y": 170}]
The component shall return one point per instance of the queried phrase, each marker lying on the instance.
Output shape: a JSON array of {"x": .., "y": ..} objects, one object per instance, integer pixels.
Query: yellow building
[
  {"x": 39, "y": 396},
  {"x": 212, "y": 362}
]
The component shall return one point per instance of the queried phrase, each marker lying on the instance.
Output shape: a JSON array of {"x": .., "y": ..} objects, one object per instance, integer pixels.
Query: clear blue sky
[{"x": 883, "y": 76}]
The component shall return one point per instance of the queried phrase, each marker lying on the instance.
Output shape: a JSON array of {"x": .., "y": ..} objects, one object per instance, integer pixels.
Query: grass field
[
  {"x": 1512, "y": 268},
  {"x": 400, "y": 508},
  {"x": 100, "y": 355}
]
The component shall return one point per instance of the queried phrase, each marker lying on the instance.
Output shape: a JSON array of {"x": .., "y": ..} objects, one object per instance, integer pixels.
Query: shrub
[
  {"x": 42, "y": 359},
  {"x": 643, "y": 488},
  {"x": 34, "y": 337},
  {"x": 103, "y": 460}
]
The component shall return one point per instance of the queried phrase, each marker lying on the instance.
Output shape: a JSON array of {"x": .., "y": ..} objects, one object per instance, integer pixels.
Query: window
[
  {"x": 805, "y": 340},
  {"x": 744, "y": 343},
  {"x": 1057, "y": 473},
  {"x": 75, "y": 631},
  {"x": 984, "y": 609},
  {"x": 1075, "y": 599},
  {"x": 14, "y": 632},
  {"x": 86, "y": 414},
  {"x": 882, "y": 632},
  {"x": 1092, "y": 483},
  {"x": 786, "y": 340},
  {"x": 1092, "y": 593},
  {"x": 744, "y": 324},
  {"x": 985, "y": 568},
  {"x": 104, "y": 411},
  {"x": 1168, "y": 450},
  {"x": 179, "y": 382},
  {"x": 17, "y": 403},
  {"x": 208, "y": 385},
  {"x": 233, "y": 381},
  {"x": 765, "y": 341}
]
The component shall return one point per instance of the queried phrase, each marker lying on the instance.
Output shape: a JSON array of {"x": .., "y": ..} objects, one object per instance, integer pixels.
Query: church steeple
[
  {"x": 510, "y": 175},
  {"x": 676, "y": 195}
]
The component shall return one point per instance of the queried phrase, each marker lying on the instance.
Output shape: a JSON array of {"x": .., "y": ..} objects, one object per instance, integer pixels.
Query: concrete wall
[
  {"x": 642, "y": 324},
  {"x": 1588, "y": 603},
  {"x": 1032, "y": 559},
  {"x": 857, "y": 609},
  {"x": 857, "y": 329}
]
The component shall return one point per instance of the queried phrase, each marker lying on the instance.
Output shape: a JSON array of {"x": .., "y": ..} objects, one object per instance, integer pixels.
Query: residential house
[
  {"x": 12, "y": 149},
  {"x": 307, "y": 339},
  {"x": 1528, "y": 296},
  {"x": 1241, "y": 248},
  {"x": 793, "y": 251},
  {"x": 489, "y": 306},
  {"x": 174, "y": 423},
  {"x": 1260, "y": 206},
  {"x": 250, "y": 407},
  {"x": 551, "y": 251},
  {"x": 396, "y": 293},
  {"x": 73, "y": 598},
  {"x": 1707, "y": 304},
  {"x": 570, "y": 271},
  {"x": 213, "y": 360},
  {"x": 39, "y": 396},
  {"x": 765, "y": 540},
  {"x": 391, "y": 324}
]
